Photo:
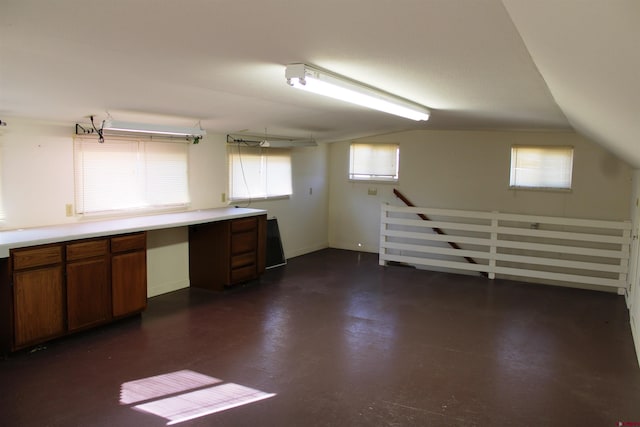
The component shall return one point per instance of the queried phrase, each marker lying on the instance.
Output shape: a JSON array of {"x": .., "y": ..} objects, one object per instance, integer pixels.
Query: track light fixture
[{"x": 322, "y": 82}]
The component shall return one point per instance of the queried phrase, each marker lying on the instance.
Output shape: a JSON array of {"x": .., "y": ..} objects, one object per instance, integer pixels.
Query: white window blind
[
  {"x": 257, "y": 173},
  {"x": 541, "y": 167},
  {"x": 130, "y": 174},
  {"x": 374, "y": 162}
]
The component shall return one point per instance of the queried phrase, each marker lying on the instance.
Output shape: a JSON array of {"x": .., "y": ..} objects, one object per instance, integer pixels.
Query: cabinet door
[
  {"x": 38, "y": 305},
  {"x": 129, "y": 282},
  {"x": 88, "y": 293}
]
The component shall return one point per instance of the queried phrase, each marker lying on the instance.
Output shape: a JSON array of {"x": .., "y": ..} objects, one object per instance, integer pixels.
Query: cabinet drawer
[
  {"x": 92, "y": 248},
  {"x": 244, "y": 224},
  {"x": 35, "y": 257},
  {"x": 243, "y": 260},
  {"x": 129, "y": 242},
  {"x": 244, "y": 242},
  {"x": 243, "y": 274}
]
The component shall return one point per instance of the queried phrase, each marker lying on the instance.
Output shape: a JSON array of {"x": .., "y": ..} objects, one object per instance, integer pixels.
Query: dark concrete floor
[{"x": 342, "y": 341}]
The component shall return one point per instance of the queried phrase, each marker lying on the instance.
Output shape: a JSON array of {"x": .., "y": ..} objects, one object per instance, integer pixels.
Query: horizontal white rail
[{"x": 582, "y": 251}]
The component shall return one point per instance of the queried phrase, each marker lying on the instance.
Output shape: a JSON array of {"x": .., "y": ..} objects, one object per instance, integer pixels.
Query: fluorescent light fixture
[
  {"x": 119, "y": 126},
  {"x": 322, "y": 82}
]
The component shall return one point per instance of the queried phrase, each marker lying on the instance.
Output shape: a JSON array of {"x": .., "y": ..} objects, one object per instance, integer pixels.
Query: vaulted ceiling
[{"x": 478, "y": 64}]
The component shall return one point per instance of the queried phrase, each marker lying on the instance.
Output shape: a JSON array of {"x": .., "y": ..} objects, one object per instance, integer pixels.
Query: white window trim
[
  {"x": 247, "y": 154},
  {"x": 372, "y": 177},
  {"x": 549, "y": 148},
  {"x": 144, "y": 201}
]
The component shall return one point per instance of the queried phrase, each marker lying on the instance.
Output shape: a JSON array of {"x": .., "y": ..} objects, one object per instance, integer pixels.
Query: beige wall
[
  {"x": 37, "y": 183},
  {"x": 470, "y": 170}
]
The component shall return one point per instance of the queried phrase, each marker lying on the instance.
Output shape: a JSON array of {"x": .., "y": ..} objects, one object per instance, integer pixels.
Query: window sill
[
  {"x": 374, "y": 181},
  {"x": 259, "y": 199},
  {"x": 546, "y": 189}
]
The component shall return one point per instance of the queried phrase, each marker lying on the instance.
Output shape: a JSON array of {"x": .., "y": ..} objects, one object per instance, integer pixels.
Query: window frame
[
  {"x": 142, "y": 154},
  {"x": 567, "y": 181},
  {"x": 265, "y": 154},
  {"x": 372, "y": 176}
]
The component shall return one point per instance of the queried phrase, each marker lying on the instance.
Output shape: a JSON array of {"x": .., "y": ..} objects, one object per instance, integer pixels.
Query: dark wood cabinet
[
  {"x": 129, "y": 274},
  {"x": 88, "y": 290},
  {"x": 51, "y": 290},
  {"x": 38, "y": 294},
  {"x": 62, "y": 288},
  {"x": 226, "y": 253},
  {"x": 38, "y": 291}
]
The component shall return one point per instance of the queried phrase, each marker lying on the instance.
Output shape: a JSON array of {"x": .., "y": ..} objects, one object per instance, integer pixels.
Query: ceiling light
[
  {"x": 311, "y": 79},
  {"x": 119, "y": 126}
]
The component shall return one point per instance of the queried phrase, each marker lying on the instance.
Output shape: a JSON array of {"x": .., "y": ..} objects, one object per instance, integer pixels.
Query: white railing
[{"x": 549, "y": 249}]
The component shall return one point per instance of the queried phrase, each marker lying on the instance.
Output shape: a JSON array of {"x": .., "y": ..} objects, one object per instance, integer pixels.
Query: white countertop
[{"x": 86, "y": 229}]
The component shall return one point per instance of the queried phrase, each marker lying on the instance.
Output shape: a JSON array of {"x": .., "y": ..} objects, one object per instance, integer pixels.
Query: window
[
  {"x": 130, "y": 174},
  {"x": 259, "y": 173},
  {"x": 541, "y": 167},
  {"x": 374, "y": 162}
]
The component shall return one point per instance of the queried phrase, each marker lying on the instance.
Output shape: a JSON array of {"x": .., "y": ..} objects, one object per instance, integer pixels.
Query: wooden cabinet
[
  {"x": 38, "y": 294},
  {"x": 129, "y": 273},
  {"x": 88, "y": 290},
  {"x": 226, "y": 253},
  {"x": 62, "y": 288}
]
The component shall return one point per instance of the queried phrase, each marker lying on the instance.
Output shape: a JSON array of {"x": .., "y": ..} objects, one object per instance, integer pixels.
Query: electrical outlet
[
  {"x": 68, "y": 209},
  {"x": 372, "y": 191},
  {"x": 223, "y": 197}
]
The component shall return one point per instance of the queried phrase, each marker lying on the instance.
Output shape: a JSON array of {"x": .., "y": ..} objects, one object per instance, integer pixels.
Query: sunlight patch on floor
[{"x": 184, "y": 395}]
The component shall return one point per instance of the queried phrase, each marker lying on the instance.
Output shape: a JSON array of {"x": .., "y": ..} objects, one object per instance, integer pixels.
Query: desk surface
[{"x": 86, "y": 229}]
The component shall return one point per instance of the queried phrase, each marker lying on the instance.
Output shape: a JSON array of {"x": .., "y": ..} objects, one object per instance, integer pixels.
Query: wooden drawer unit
[
  {"x": 87, "y": 249},
  {"x": 129, "y": 242},
  {"x": 243, "y": 260},
  {"x": 36, "y": 256},
  {"x": 226, "y": 253},
  {"x": 244, "y": 224}
]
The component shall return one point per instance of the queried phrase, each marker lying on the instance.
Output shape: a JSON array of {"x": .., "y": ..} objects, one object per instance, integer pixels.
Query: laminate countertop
[{"x": 19, "y": 238}]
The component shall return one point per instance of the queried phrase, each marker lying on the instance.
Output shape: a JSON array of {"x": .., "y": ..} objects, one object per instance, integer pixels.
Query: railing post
[
  {"x": 493, "y": 249},
  {"x": 624, "y": 262},
  {"x": 383, "y": 235}
]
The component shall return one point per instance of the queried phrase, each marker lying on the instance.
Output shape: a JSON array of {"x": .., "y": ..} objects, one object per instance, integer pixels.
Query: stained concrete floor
[{"x": 341, "y": 341}]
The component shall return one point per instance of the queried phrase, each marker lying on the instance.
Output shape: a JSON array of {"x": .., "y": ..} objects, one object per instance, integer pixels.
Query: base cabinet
[
  {"x": 129, "y": 274},
  {"x": 226, "y": 253},
  {"x": 88, "y": 291},
  {"x": 38, "y": 305},
  {"x": 58, "y": 289}
]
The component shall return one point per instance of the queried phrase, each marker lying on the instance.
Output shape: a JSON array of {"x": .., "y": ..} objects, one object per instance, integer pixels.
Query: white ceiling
[{"x": 478, "y": 64}]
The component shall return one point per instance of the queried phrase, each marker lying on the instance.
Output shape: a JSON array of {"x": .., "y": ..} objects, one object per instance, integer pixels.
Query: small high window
[
  {"x": 374, "y": 162},
  {"x": 541, "y": 167}
]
